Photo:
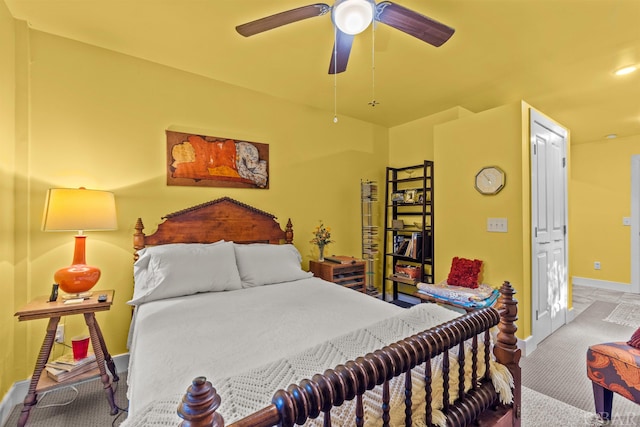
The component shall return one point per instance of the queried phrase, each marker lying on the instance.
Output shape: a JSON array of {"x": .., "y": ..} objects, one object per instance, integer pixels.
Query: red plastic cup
[{"x": 80, "y": 346}]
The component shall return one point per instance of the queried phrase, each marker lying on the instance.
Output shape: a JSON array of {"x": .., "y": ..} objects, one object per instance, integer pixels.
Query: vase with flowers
[{"x": 321, "y": 237}]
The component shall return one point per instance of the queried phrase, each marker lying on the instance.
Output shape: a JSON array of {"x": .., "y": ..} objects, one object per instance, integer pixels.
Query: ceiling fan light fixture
[{"x": 353, "y": 16}]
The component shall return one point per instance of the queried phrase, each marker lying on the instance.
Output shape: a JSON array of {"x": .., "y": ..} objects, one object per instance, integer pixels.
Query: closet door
[{"x": 549, "y": 226}]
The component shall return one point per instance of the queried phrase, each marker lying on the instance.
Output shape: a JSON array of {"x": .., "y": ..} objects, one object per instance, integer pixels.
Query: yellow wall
[
  {"x": 411, "y": 143},
  {"x": 98, "y": 119},
  {"x": 460, "y": 143},
  {"x": 7, "y": 176},
  {"x": 601, "y": 197},
  {"x": 87, "y": 116},
  {"x": 462, "y": 148}
]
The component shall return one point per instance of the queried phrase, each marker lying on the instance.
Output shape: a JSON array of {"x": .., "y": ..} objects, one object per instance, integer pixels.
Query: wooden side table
[
  {"x": 41, "y": 308},
  {"x": 351, "y": 275}
]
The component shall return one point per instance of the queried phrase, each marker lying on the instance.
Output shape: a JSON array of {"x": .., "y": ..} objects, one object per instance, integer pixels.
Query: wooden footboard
[{"x": 310, "y": 398}]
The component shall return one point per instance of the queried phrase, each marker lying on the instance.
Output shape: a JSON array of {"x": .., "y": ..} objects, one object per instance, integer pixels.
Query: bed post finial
[
  {"x": 138, "y": 238},
  {"x": 506, "y": 349},
  {"x": 288, "y": 234},
  {"x": 508, "y": 307},
  {"x": 199, "y": 404}
]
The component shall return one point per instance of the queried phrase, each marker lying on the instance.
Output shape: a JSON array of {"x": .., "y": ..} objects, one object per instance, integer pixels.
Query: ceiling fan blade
[
  {"x": 340, "y": 52},
  {"x": 413, "y": 23},
  {"x": 283, "y": 18}
]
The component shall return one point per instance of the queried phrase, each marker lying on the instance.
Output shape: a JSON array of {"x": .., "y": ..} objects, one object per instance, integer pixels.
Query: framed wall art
[
  {"x": 409, "y": 196},
  {"x": 397, "y": 197},
  {"x": 210, "y": 161}
]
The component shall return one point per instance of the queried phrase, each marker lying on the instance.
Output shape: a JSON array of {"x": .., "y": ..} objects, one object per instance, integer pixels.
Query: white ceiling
[{"x": 558, "y": 55}]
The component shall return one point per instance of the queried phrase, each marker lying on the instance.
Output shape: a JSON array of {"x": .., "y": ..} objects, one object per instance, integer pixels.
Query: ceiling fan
[{"x": 351, "y": 17}]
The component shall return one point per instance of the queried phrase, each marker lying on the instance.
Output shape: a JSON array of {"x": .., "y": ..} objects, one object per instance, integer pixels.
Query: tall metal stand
[{"x": 369, "y": 195}]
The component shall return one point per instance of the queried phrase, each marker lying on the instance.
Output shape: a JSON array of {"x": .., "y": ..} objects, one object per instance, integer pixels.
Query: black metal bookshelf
[{"x": 408, "y": 228}]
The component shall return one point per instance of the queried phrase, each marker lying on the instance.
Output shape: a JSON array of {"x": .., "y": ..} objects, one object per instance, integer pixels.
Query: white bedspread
[
  {"x": 221, "y": 334},
  {"x": 247, "y": 382}
]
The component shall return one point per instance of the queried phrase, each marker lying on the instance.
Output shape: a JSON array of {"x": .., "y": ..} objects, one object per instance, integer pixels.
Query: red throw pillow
[
  {"x": 464, "y": 272},
  {"x": 635, "y": 339}
]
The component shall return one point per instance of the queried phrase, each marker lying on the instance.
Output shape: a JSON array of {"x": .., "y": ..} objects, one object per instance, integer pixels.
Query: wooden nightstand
[
  {"x": 41, "y": 308},
  {"x": 350, "y": 275}
]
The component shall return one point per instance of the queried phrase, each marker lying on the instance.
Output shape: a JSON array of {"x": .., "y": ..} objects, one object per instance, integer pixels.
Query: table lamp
[{"x": 78, "y": 209}]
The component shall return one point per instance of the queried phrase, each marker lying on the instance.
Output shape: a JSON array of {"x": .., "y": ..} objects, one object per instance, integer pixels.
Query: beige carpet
[
  {"x": 558, "y": 368},
  {"x": 541, "y": 410},
  {"x": 90, "y": 409},
  {"x": 63, "y": 407}
]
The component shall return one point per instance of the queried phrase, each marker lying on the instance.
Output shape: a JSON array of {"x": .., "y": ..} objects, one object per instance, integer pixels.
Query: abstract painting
[{"x": 209, "y": 161}]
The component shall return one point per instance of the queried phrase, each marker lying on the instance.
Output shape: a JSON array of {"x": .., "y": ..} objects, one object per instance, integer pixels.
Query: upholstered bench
[
  {"x": 613, "y": 367},
  {"x": 462, "y": 289},
  {"x": 456, "y": 296}
]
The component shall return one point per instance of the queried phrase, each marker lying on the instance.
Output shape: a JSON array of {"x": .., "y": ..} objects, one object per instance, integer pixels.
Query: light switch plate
[
  {"x": 626, "y": 220},
  {"x": 497, "y": 225}
]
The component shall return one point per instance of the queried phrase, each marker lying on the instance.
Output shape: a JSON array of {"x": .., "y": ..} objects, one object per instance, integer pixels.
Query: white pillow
[
  {"x": 178, "y": 269},
  {"x": 264, "y": 264}
]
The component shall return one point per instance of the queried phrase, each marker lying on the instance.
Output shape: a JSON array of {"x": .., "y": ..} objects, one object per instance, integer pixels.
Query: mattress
[{"x": 222, "y": 334}]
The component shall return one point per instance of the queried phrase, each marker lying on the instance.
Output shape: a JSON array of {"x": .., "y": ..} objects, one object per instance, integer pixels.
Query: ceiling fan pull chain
[
  {"x": 373, "y": 102},
  {"x": 335, "y": 75}
]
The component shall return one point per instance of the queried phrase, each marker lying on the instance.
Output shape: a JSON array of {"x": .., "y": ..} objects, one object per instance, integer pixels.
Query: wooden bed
[{"x": 230, "y": 220}]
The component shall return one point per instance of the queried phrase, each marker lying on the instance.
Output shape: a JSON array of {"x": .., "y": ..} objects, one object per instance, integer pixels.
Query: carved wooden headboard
[{"x": 220, "y": 219}]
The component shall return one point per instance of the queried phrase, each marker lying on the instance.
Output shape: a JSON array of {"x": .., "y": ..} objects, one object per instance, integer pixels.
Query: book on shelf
[
  {"x": 402, "y": 247},
  {"x": 63, "y": 375},
  {"x": 408, "y": 246},
  {"x": 416, "y": 245},
  {"x": 403, "y": 279},
  {"x": 397, "y": 241},
  {"x": 409, "y": 250}
]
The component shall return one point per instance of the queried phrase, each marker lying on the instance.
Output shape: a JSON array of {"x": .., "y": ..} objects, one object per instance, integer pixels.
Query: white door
[
  {"x": 635, "y": 223},
  {"x": 549, "y": 226}
]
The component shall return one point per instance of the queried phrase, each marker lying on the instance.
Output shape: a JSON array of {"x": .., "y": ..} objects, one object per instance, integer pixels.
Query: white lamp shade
[
  {"x": 79, "y": 209},
  {"x": 353, "y": 16}
]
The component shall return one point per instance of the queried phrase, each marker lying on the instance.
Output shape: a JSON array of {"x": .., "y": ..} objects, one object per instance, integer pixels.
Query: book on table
[
  {"x": 62, "y": 375},
  {"x": 66, "y": 366},
  {"x": 67, "y": 362},
  {"x": 341, "y": 259}
]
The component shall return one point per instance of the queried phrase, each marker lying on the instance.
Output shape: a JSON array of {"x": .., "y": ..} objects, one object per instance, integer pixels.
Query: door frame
[
  {"x": 635, "y": 223},
  {"x": 554, "y": 127}
]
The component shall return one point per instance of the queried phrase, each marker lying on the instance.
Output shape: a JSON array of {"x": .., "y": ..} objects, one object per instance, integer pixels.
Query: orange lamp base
[{"x": 78, "y": 277}]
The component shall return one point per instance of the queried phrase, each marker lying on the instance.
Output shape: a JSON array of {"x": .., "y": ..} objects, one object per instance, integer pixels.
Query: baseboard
[
  {"x": 11, "y": 399},
  {"x": 527, "y": 345},
  {"x": 602, "y": 284},
  {"x": 19, "y": 389}
]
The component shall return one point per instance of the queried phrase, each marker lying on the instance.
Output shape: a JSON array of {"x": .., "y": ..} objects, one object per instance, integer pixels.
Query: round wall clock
[{"x": 490, "y": 180}]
